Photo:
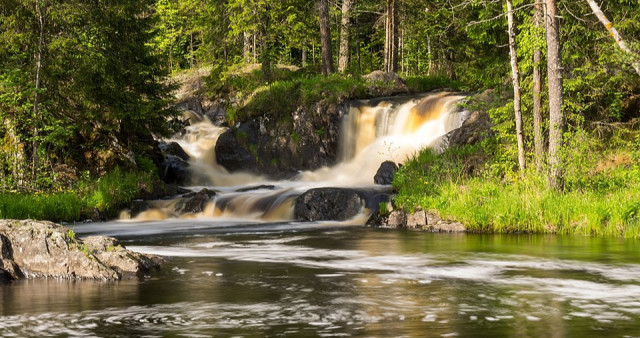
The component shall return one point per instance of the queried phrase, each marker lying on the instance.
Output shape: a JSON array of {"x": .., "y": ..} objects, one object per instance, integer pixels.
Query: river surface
[{"x": 242, "y": 279}]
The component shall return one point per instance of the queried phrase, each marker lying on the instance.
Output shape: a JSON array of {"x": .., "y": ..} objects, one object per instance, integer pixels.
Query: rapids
[{"x": 372, "y": 132}]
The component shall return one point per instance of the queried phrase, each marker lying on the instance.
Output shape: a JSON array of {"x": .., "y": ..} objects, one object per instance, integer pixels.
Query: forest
[{"x": 86, "y": 87}]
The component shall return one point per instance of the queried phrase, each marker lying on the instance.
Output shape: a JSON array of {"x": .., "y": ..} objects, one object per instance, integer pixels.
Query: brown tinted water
[{"x": 322, "y": 279}]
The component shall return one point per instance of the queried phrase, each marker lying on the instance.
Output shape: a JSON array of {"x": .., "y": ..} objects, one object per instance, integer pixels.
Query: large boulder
[
  {"x": 175, "y": 170},
  {"x": 474, "y": 129},
  {"x": 281, "y": 146},
  {"x": 233, "y": 155},
  {"x": 174, "y": 165},
  {"x": 323, "y": 204},
  {"x": 173, "y": 148},
  {"x": 385, "y": 173},
  {"x": 392, "y": 83},
  {"x": 34, "y": 249},
  {"x": 338, "y": 204},
  {"x": 194, "y": 202}
]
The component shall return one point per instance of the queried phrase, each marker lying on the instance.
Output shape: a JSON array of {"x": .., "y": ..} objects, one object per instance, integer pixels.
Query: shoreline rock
[
  {"x": 418, "y": 220},
  {"x": 38, "y": 249}
]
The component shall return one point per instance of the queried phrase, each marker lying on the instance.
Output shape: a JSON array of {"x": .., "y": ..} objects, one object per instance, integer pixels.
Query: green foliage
[
  {"x": 64, "y": 206},
  {"x": 103, "y": 90},
  {"x": 422, "y": 84},
  {"x": 108, "y": 194},
  {"x": 602, "y": 196},
  {"x": 301, "y": 91},
  {"x": 116, "y": 189}
]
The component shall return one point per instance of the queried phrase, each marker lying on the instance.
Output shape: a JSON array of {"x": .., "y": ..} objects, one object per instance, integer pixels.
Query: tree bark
[
  {"x": 515, "y": 78},
  {"x": 358, "y": 60},
  {"x": 391, "y": 37},
  {"x": 325, "y": 38},
  {"x": 304, "y": 56},
  {"x": 614, "y": 33},
  {"x": 538, "y": 139},
  {"x": 246, "y": 47},
  {"x": 556, "y": 115},
  {"x": 345, "y": 26},
  {"x": 36, "y": 99}
]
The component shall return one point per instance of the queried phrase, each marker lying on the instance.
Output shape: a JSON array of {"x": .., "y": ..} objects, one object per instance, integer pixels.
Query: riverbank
[
  {"x": 475, "y": 186},
  {"x": 86, "y": 199}
]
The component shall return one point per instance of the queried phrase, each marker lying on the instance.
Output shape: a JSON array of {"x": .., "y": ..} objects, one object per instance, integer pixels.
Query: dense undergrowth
[
  {"x": 84, "y": 200},
  {"x": 476, "y": 186}
]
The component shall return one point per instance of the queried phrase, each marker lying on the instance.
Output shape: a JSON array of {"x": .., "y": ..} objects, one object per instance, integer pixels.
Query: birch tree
[
  {"x": 615, "y": 34},
  {"x": 515, "y": 78}
]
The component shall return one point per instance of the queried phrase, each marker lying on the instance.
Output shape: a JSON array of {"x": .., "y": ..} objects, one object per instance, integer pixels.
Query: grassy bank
[
  {"x": 470, "y": 185},
  {"x": 105, "y": 195}
]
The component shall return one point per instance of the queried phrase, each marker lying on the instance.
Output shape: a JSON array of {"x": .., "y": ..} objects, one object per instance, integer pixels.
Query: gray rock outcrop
[
  {"x": 33, "y": 249},
  {"x": 385, "y": 173},
  {"x": 417, "y": 220},
  {"x": 325, "y": 204}
]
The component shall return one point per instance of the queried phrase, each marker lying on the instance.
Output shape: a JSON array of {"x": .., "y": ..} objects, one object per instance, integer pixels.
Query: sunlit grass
[
  {"x": 106, "y": 194},
  {"x": 522, "y": 204}
]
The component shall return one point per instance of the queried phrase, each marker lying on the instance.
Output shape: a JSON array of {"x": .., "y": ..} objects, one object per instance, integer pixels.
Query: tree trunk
[
  {"x": 358, "y": 60},
  {"x": 391, "y": 37},
  {"x": 556, "y": 116},
  {"x": 36, "y": 99},
  {"x": 515, "y": 78},
  {"x": 255, "y": 50},
  {"x": 246, "y": 47},
  {"x": 614, "y": 33},
  {"x": 345, "y": 26},
  {"x": 325, "y": 38},
  {"x": 304, "y": 56},
  {"x": 429, "y": 55},
  {"x": 538, "y": 139}
]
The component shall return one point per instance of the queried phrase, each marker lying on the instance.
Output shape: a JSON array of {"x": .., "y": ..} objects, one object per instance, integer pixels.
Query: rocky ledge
[
  {"x": 417, "y": 220},
  {"x": 34, "y": 249}
]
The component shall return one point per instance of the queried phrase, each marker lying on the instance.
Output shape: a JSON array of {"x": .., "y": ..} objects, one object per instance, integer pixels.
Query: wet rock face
[
  {"x": 196, "y": 202},
  {"x": 174, "y": 165},
  {"x": 385, "y": 173},
  {"x": 33, "y": 249},
  {"x": 280, "y": 147},
  {"x": 233, "y": 155},
  {"x": 175, "y": 170},
  {"x": 325, "y": 204},
  {"x": 173, "y": 148},
  {"x": 474, "y": 129}
]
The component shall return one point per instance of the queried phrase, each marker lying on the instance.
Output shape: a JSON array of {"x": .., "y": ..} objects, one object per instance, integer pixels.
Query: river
[{"x": 324, "y": 279}]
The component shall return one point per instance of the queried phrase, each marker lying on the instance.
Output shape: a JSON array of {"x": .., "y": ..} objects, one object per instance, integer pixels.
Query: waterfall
[{"x": 372, "y": 132}]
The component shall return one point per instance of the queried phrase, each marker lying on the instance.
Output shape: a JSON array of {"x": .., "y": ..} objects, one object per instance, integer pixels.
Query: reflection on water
[{"x": 327, "y": 280}]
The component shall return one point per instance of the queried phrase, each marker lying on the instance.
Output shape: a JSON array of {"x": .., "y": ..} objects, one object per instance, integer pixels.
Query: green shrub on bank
[
  {"x": 602, "y": 197},
  {"x": 107, "y": 194}
]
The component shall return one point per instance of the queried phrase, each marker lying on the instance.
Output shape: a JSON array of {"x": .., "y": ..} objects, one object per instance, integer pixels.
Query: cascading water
[{"x": 372, "y": 132}]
